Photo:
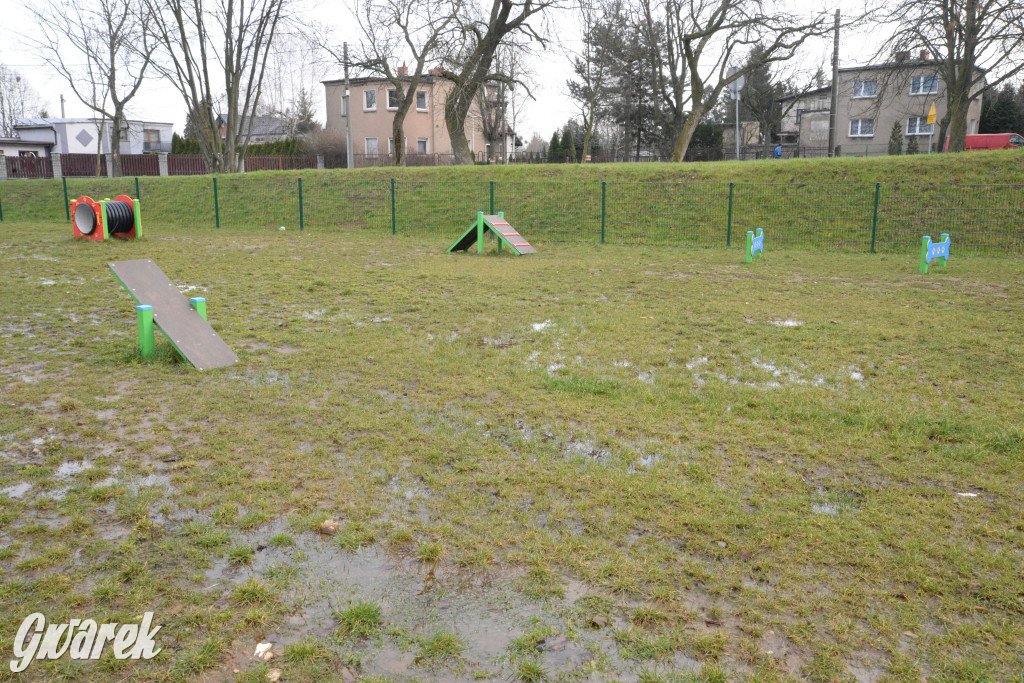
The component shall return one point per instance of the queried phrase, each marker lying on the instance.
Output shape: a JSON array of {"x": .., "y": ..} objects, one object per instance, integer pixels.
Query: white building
[{"x": 81, "y": 136}]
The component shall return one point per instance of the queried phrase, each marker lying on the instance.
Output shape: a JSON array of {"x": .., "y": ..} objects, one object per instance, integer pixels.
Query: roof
[
  {"x": 19, "y": 141},
  {"x": 902, "y": 64},
  {"x": 263, "y": 125},
  {"x": 816, "y": 91},
  {"x": 46, "y": 123},
  {"x": 364, "y": 80}
]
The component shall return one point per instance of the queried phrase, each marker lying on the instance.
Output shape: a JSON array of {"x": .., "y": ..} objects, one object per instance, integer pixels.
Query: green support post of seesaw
[
  {"x": 199, "y": 304},
  {"x": 144, "y": 316}
]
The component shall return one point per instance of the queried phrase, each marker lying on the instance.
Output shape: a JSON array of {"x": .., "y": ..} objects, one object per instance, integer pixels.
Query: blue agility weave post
[
  {"x": 934, "y": 250},
  {"x": 755, "y": 243}
]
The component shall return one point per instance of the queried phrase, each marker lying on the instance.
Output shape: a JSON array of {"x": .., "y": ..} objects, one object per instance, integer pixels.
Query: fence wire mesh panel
[
  {"x": 980, "y": 218},
  {"x": 551, "y": 211},
  {"x": 666, "y": 213},
  {"x": 826, "y": 216},
  {"x": 247, "y": 204},
  {"x": 331, "y": 203},
  {"x": 32, "y": 200},
  {"x": 174, "y": 202},
  {"x": 441, "y": 209}
]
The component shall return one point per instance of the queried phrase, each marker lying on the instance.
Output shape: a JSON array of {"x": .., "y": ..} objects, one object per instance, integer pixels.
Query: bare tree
[
  {"x": 395, "y": 30},
  {"x": 109, "y": 55},
  {"x": 16, "y": 99},
  {"x": 469, "y": 63},
  {"x": 215, "y": 51},
  {"x": 971, "y": 39},
  {"x": 294, "y": 72},
  {"x": 599, "y": 20},
  {"x": 709, "y": 36}
]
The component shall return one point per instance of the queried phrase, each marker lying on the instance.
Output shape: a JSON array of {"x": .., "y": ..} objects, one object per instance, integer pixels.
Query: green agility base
[
  {"x": 755, "y": 244},
  {"x": 119, "y": 217},
  {"x": 934, "y": 250},
  {"x": 496, "y": 225}
]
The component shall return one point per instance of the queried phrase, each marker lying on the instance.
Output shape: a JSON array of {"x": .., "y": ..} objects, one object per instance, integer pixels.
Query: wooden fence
[{"x": 29, "y": 167}]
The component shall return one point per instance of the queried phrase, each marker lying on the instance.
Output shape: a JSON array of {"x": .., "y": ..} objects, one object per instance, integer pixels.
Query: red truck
[{"x": 992, "y": 141}]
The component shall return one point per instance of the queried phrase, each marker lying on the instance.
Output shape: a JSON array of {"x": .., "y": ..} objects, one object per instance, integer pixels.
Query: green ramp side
[{"x": 496, "y": 225}]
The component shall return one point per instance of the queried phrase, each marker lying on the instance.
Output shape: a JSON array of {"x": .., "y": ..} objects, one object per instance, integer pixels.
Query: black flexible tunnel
[{"x": 120, "y": 217}]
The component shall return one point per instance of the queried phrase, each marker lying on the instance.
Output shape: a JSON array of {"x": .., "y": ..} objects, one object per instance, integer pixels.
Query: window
[
  {"x": 421, "y": 100},
  {"x": 391, "y": 146},
  {"x": 1016, "y": 141},
  {"x": 924, "y": 85},
  {"x": 865, "y": 88},
  {"x": 371, "y": 146},
  {"x": 862, "y": 128},
  {"x": 370, "y": 101},
  {"x": 421, "y": 146},
  {"x": 150, "y": 135},
  {"x": 392, "y": 99},
  {"x": 344, "y": 106},
  {"x": 123, "y": 137},
  {"x": 918, "y": 125}
]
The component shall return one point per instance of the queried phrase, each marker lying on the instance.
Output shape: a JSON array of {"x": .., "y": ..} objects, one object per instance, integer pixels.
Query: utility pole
[
  {"x": 348, "y": 115},
  {"x": 834, "y": 114},
  {"x": 62, "y": 105}
]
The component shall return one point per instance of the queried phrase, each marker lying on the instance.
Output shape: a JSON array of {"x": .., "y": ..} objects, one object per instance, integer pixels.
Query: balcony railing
[{"x": 150, "y": 147}]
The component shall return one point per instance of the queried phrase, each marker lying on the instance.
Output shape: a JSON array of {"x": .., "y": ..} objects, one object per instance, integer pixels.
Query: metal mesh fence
[{"x": 850, "y": 216}]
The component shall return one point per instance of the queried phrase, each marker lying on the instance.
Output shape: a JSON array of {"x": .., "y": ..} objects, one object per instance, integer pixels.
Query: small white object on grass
[
  {"x": 262, "y": 649},
  {"x": 281, "y": 228},
  {"x": 968, "y": 495}
]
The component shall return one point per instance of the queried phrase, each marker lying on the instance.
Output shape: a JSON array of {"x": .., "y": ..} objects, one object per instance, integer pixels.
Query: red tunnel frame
[{"x": 98, "y": 233}]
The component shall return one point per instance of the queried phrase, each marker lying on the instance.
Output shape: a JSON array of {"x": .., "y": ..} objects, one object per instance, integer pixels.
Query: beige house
[
  {"x": 374, "y": 102},
  {"x": 872, "y": 99}
]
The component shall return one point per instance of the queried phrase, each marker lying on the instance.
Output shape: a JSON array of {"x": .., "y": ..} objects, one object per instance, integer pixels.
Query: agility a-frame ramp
[{"x": 498, "y": 226}]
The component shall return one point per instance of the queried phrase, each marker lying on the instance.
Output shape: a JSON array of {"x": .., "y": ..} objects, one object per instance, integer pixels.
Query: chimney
[
  {"x": 902, "y": 56},
  {"x": 925, "y": 55},
  {"x": 436, "y": 71},
  {"x": 403, "y": 70}
]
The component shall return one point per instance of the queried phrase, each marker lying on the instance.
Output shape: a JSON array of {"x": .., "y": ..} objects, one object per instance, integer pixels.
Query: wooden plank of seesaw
[{"x": 190, "y": 334}]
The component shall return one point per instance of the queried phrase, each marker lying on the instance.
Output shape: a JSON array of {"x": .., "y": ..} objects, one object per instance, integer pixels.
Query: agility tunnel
[{"x": 118, "y": 217}]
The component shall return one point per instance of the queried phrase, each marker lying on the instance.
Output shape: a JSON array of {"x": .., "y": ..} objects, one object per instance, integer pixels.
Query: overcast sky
[{"x": 159, "y": 101}]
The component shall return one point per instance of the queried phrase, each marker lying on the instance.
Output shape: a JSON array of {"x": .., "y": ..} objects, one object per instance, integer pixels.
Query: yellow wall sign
[{"x": 931, "y": 114}]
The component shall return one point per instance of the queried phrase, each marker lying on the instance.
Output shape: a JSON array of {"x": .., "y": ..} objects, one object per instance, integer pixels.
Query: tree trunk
[
  {"x": 456, "y": 124},
  {"x": 115, "y": 143},
  {"x": 687, "y": 131}
]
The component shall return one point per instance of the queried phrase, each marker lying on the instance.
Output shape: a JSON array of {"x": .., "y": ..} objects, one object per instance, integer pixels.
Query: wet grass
[{"x": 804, "y": 469}]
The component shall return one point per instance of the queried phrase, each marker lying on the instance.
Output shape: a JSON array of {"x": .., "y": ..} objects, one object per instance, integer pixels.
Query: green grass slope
[{"x": 830, "y": 203}]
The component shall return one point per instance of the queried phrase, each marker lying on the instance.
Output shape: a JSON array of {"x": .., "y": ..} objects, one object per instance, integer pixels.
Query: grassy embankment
[{"x": 801, "y": 202}]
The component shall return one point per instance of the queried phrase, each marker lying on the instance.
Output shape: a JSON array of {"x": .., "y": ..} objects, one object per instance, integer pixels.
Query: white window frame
[
  {"x": 858, "y": 90},
  {"x": 391, "y": 146},
  {"x": 860, "y": 125},
  {"x": 921, "y": 126},
  {"x": 367, "y": 92},
  {"x": 390, "y": 107},
  {"x": 376, "y": 146},
  {"x": 917, "y": 85},
  {"x": 426, "y": 145},
  {"x": 426, "y": 100}
]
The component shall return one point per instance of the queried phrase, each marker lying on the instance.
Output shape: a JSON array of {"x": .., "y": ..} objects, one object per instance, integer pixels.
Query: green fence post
[
  {"x": 198, "y": 303},
  {"x": 492, "y": 198},
  {"x": 728, "y": 229},
  {"x": 604, "y": 194},
  {"x": 138, "y": 192},
  {"x": 393, "y": 226},
  {"x": 301, "y": 219},
  {"x": 1, "y": 209},
  {"x": 216, "y": 203},
  {"x": 874, "y": 218},
  {"x": 67, "y": 204}
]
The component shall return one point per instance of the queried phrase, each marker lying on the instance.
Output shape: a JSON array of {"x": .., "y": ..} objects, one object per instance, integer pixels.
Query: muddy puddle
[{"x": 484, "y": 607}]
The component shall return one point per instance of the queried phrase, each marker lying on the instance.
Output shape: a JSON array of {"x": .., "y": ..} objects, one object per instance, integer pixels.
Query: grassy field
[
  {"x": 805, "y": 203},
  {"x": 596, "y": 463}
]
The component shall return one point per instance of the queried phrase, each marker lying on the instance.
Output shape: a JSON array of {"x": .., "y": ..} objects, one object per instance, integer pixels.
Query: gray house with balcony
[
  {"x": 872, "y": 99},
  {"x": 81, "y": 136}
]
